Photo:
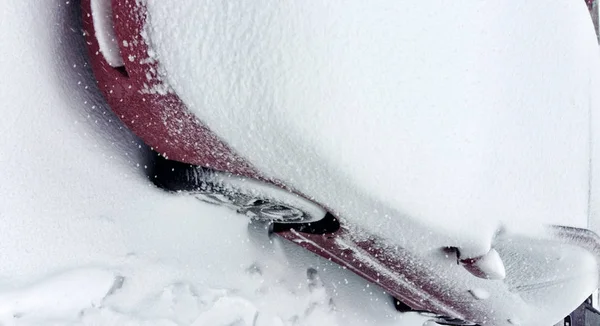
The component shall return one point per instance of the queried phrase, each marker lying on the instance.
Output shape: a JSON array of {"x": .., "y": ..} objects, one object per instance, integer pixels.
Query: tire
[
  {"x": 258, "y": 200},
  {"x": 401, "y": 306}
]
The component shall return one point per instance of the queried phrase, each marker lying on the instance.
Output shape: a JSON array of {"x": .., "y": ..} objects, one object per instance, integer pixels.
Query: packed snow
[
  {"x": 86, "y": 240},
  {"x": 399, "y": 115}
]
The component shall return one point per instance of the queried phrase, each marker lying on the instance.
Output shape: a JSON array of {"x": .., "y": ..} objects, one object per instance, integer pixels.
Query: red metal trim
[{"x": 161, "y": 120}]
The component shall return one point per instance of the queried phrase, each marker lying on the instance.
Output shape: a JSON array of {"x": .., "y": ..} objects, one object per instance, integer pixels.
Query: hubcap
[
  {"x": 276, "y": 212},
  {"x": 259, "y": 209}
]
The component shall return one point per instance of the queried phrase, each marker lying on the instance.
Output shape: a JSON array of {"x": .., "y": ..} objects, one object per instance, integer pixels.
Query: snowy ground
[{"x": 87, "y": 240}]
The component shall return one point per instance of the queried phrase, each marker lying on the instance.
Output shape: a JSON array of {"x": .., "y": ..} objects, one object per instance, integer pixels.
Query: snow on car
[
  {"x": 86, "y": 240},
  {"x": 440, "y": 152}
]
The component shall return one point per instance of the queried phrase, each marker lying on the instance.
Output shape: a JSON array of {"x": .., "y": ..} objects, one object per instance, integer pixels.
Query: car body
[{"x": 452, "y": 289}]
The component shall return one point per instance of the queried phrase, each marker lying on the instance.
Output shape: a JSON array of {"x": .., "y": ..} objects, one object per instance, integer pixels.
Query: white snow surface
[
  {"x": 85, "y": 240},
  {"x": 401, "y": 116}
]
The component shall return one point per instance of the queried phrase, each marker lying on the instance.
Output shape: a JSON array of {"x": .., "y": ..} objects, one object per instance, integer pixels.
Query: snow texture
[
  {"x": 105, "y": 33},
  {"x": 403, "y": 117},
  {"x": 86, "y": 240},
  {"x": 58, "y": 296}
]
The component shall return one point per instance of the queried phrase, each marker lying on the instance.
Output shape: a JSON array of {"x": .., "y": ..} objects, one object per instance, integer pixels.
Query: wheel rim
[
  {"x": 453, "y": 322},
  {"x": 280, "y": 212},
  {"x": 275, "y": 212},
  {"x": 447, "y": 321}
]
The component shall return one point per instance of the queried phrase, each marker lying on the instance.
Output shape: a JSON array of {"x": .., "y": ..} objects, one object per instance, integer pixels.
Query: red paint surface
[
  {"x": 417, "y": 283},
  {"x": 396, "y": 271},
  {"x": 161, "y": 121}
]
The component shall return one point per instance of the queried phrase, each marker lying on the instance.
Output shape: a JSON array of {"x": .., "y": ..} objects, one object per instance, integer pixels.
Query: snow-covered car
[{"x": 382, "y": 136}]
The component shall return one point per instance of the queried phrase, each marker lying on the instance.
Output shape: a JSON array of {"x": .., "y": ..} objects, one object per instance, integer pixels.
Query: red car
[{"x": 452, "y": 288}]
